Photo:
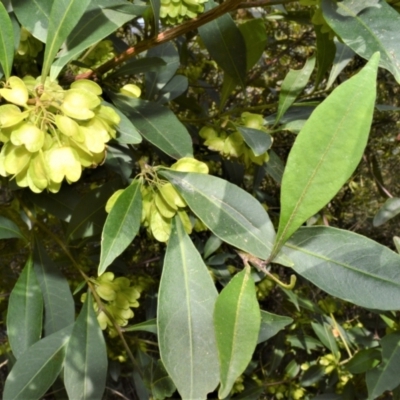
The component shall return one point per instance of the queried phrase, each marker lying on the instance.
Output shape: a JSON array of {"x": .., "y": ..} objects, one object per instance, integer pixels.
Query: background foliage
[{"x": 199, "y": 199}]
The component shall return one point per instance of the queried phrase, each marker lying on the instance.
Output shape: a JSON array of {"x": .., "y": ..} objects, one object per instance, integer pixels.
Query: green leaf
[
  {"x": 146, "y": 326},
  {"x": 58, "y": 302},
  {"x": 122, "y": 225},
  {"x": 30, "y": 12},
  {"x": 85, "y": 367},
  {"x": 389, "y": 210},
  {"x": 255, "y": 37},
  {"x": 344, "y": 54},
  {"x": 327, "y": 150},
  {"x": 228, "y": 211},
  {"x": 313, "y": 375},
  {"x": 37, "y": 369},
  {"x": 386, "y": 375},
  {"x": 347, "y": 265},
  {"x": 25, "y": 312},
  {"x": 363, "y": 361},
  {"x": 326, "y": 51},
  {"x": 155, "y": 7},
  {"x": 186, "y": 301},
  {"x": 157, "y": 124},
  {"x": 6, "y": 41},
  {"x": 226, "y": 45},
  {"x": 325, "y": 335},
  {"x": 89, "y": 214},
  {"x": 293, "y": 84},
  {"x": 173, "y": 89},
  {"x": 367, "y": 27},
  {"x": 9, "y": 230},
  {"x": 64, "y": 16},
  {"x": 237, "y": 321},
  {"x": 101, "y": 18},
  {"x": 155, "y": 80},
  {"x": 271, "y": 324},
  {"x": 139, "y": 66},
  {"x": 120, "y": 160},
  {"x": 259, "y": 141}
]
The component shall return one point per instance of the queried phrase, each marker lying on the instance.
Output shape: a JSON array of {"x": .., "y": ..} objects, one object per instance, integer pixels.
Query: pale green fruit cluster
[
  {"x": 119, "y": 297},
  {"x": 173, "y": 12},
  {"x": 51, "y": 134},
  {"x": 232, "y": 144},
  {"x": 161, "y": 202}
]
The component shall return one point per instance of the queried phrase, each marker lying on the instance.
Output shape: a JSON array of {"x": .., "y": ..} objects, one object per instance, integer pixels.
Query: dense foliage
[{"x": 190, "y": 199}]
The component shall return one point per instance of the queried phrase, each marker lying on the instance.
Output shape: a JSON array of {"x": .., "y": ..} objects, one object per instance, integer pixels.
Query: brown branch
[{"x": 173, "y": 33}]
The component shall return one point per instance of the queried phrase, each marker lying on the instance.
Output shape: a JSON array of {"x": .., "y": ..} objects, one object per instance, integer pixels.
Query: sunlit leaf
[
  {"x": 85, "y": 367},
  {"x": 327, "y": 150},
  {"x": 185, "y": 318},
  {"x": 25, "y": 312},
  {"x": 237, "y": 322},
  {"x": 6, "y": 41},
  {"x": 259, "y": 141}
]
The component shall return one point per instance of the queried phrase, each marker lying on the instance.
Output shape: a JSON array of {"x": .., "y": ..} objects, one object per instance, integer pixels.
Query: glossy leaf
[
  {"x": 155, "y": 80},
  {"x": 347, "y": 265},
  {"x": 139, "y": 66},
  {"x": 120, "y": 159},
  {"x": 255, "y": 38},
  {"x": 146, "y": 326},
  {"x": 89, "y": 214},
  {"x": 101, "y": 18},
  {"x": 186, "y": 301},
  {"x": 271, "y": 324},
  {"x": 367, "y": 27},
  {"x": 326, "y": 51},
  {"x": 58, "y": 302},
  {"x": 259, "y": 141},
  {"x": 293, "y": 84},
  {"x": 317, "y": 167},
  {"x": 30, "y": 12},
  {"x": 228, "y": 211},
  {"x": 237, "y": 320},
  {"x": 344, "y": 54},
  {"x": 226, "y": 45},
  {"x": 363, "y": 361},
  {"x": 37, "y": 369},
  {"x": 173, "y": 89},
  {"x": 385, "y": 376},
  {"x": 85, "y": 367},
  {"x": 25, "y": 312},
  {"x": 157, "y": 124},
  {"x": 122, "y": 225},
  {"x": 64, "y": 15},
  {"x": 9, "y": 230},
  {"x": 389, "y": 210},
  {"x": 6, "y": 41}
]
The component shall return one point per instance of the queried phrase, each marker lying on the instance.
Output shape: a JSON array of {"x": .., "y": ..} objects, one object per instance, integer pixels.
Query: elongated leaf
[
  {"x": 385, "y": 376},
  {"x": 85, "y": 366},
  {"x": 344, "y": 54},
  {"x": 327, "y": 150},
  {"x": 6, "y": 41},
  {"x": 326, "y": 51},
  {"x": 146, "y": 326},
  {"x": 173, "y": 89},
  {"x": 367, "y": 27},
  {"x": 30, "y": 12},
  {"x": 122, "y": 225},
  {"x": 389, "y": 210},
  {"x": 293, "y": 84},
  {"x": 25, "y": 312},
  {"x": 347, "y": 265},
  {"x": 157, "y": 124},
  {"x": 226, "y": 45},
  {"x": 37, "y": 369},
  {"x": 237, "y": 321},
  {"x": 120, "y": 159},
  {"x": 89, "y": 214},
  {"x": 155, "y": 80},
  {"x": 259, "y": 141},
  {"x": 58, "y": 302},
  {"x": 64, "y": 16},
  {"x": 101, "y": 18},
  {"x": 271, "y": 324},
  {"x": 139, "y": 66},
  {"x": 363, "y": 361},
  {"x": 228, "y": 211},
  {"x": 9, "y": 230},
  {"x": 155, "y": 7},
  {"x": 325, "y": 335},
  {"x": 186, "y": 301}
]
